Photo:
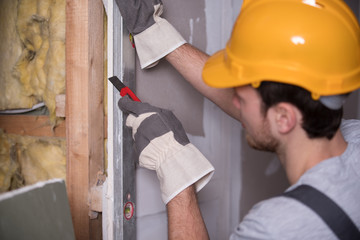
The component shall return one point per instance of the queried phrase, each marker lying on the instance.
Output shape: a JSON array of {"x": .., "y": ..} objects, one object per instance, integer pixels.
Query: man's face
[{"x": 254, "y": 121}]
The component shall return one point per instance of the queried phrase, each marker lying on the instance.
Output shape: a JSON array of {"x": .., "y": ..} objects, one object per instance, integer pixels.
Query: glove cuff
[
  {"x": 156, "y": 42},
  {"x": 183, "y": 169}
]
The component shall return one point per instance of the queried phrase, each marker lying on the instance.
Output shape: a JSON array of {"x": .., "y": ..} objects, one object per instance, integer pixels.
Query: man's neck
[{"x": 301, "y": 153}]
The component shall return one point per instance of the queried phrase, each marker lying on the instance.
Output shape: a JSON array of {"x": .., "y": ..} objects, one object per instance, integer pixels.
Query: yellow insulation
[
  {"x": 9, "y": 166},
  {"x": 32, "y": 69},
  {"x": 27, "y": 160},
  {"x": 32, "y": 66},
  {"x": 12, "y": 94}
]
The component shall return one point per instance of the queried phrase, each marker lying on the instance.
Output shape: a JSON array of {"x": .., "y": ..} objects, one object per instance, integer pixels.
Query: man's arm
[
  {"x": 163, "y": 146},
  {"x": 189, "y": 62},
  {"x": 184, "y": 217}
]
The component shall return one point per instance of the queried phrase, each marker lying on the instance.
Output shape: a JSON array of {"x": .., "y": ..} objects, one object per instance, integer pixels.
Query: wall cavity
[{"x": 32, "y": 66}]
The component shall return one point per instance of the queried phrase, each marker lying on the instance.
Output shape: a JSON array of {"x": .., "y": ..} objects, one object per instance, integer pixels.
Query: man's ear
[{"x": 284, "y": 117}]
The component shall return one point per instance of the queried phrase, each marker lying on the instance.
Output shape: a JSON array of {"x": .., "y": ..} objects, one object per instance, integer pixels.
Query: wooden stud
[
  {"x": 29, "y": 125},
  {"x": 84, "y": 109}
]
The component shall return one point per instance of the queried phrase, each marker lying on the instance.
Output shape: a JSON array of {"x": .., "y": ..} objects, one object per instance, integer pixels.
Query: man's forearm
[
  {"x": 184, "y": 217},
  {"x": 189, "y": 62}
]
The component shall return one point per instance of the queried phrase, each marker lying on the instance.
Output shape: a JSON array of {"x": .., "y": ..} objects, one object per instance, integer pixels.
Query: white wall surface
[{"x": 207, "y": 25}]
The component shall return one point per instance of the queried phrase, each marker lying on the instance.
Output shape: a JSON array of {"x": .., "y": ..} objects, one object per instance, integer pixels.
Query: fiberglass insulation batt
[
  {"x": 32, "y": 48},
  {"x": 32, "y": 70},
  {"x": 27, "y": 160}
]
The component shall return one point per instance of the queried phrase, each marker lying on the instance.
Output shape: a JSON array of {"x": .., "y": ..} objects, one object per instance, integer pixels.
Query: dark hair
[{"x": 318, "y": 120}]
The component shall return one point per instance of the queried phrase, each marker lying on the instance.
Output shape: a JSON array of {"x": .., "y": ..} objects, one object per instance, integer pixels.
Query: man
[{"x": 284, "y": 74}]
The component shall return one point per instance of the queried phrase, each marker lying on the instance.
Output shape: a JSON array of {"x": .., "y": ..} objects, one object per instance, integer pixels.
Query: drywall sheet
[
  {"x": 162, "y": 86},
  {"x": 40, "y": 211},
  {"x": 207, "y": 24}
]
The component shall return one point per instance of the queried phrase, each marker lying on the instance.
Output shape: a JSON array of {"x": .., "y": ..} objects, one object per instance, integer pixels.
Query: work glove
[
  {"x": 154, "y": 36},
  {"x": 162, "y": 145}
]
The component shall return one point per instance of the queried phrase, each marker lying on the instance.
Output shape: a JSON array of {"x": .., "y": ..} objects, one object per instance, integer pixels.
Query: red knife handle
[{"x": 126, "y": 91}]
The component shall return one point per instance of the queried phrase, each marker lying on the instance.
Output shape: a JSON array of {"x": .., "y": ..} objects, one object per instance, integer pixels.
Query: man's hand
[
  {"x": 154, "y": 36},
  {"x": 162, "y": 145}
]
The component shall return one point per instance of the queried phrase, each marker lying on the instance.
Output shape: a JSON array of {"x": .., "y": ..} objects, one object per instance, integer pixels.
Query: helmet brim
[{"x": 216, "y": 73}]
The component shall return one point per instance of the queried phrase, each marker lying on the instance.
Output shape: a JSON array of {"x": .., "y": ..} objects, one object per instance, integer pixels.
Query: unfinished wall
[
  {"x": 10, "y": 48},
  {"x": 32, "y": 70},
  {"x": 32, "y": 66},
  {"x": 25, "y": 160}
]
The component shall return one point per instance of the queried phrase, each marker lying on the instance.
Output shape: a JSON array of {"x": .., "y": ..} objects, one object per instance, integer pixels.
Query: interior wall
[
  {"x": 162, "y": 85},
  {"x": 207, "y": 25},
  {"x": 32, "y": 69}
]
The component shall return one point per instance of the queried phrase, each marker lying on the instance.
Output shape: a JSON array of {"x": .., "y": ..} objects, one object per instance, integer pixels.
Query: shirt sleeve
[
  {"x": 351, "y": 130},
  {"x": 250, "y": 229},
  {"x": 254, "y": 225},
  {"x": 281, "y": 218}
]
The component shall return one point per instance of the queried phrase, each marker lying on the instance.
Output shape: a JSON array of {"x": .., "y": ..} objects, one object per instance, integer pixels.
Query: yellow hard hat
[{"x": 314, "y": 44}]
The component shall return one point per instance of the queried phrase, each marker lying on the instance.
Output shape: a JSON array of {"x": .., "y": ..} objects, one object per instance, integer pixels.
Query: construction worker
[{"x": 284, "y": 74}]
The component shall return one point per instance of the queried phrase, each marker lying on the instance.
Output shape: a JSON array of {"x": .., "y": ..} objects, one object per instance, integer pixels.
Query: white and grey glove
[
  {"x": 154, "y": 36},
  {"x": 162, "y": 145}
]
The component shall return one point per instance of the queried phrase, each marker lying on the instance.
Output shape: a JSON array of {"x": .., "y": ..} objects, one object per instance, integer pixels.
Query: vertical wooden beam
[
  {"x": 96, "y": 102},
  {"x": 84, "y": 109}
]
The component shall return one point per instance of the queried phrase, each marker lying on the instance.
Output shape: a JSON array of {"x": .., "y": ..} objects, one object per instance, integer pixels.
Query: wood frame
[
  {"x": 84, "y": 113},
  {"x": 84, "y": 110},
  {"x": 28, "y": 125}
]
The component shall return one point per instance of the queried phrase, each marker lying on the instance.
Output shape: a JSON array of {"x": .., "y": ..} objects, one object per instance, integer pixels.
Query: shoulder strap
[{"x": 333, "y": 215}]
